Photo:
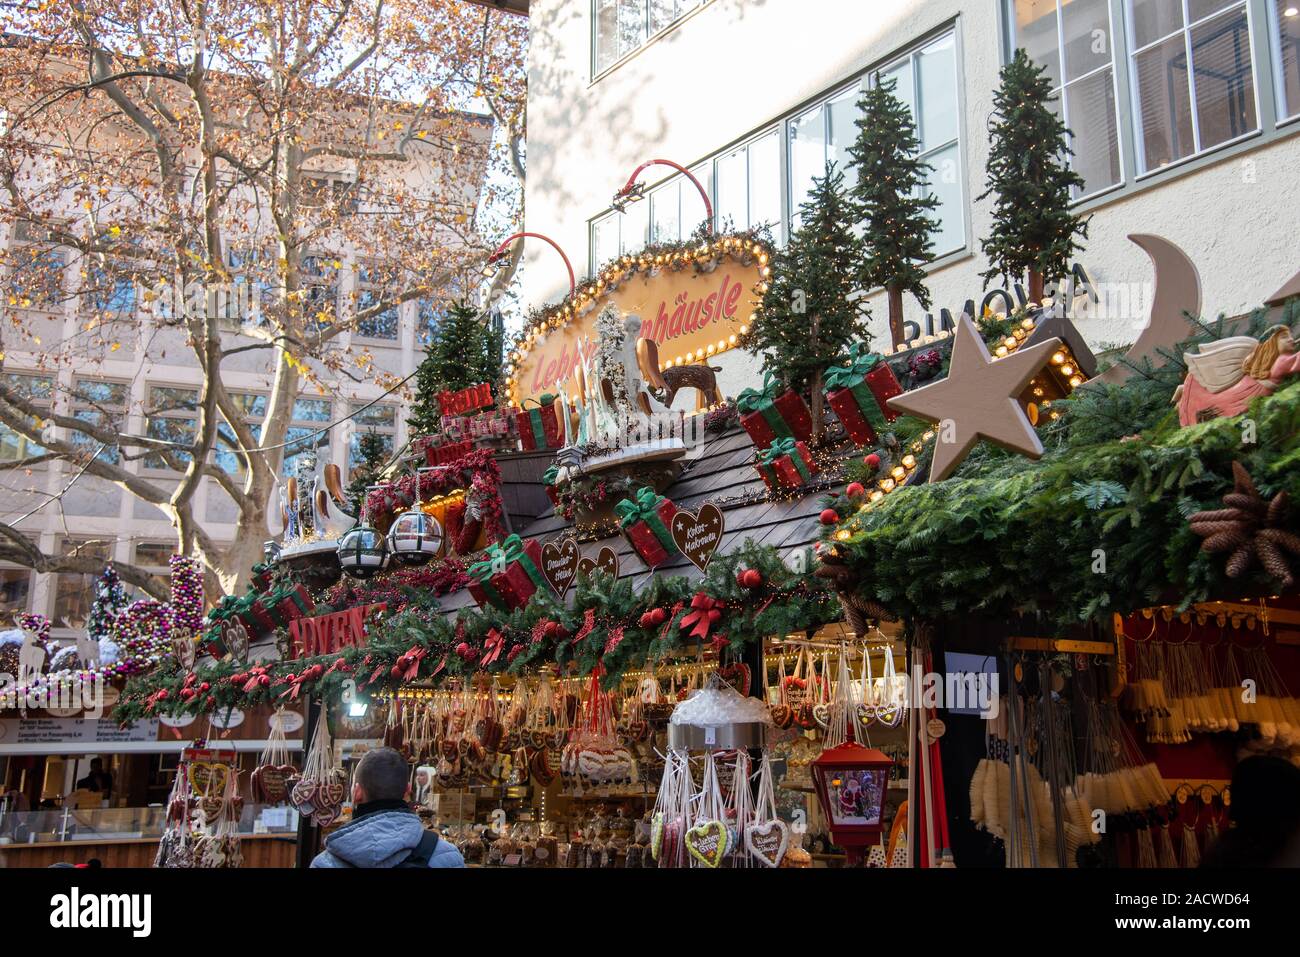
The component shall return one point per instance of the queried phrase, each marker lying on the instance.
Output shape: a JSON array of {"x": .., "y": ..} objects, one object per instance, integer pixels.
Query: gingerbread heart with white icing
[{"x": 767, "y": 841}]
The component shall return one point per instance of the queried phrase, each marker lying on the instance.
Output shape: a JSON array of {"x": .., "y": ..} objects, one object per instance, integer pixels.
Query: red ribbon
[
  {"x": 588, "y": 625},
  {"x": 705, "y": 612},
  {"x": 492, "y": 647},
  {"x": 615, "y": 638}
]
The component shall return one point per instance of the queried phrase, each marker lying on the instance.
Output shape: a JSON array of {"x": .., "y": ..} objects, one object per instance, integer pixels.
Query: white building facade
[{"x": 1184, "y": 117}]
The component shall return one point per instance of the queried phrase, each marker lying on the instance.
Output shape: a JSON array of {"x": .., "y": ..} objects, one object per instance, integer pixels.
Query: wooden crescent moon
[{"x": 1177, "y": 290}]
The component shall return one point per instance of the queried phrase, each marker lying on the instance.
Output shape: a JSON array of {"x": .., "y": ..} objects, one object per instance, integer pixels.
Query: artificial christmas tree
[
  {"x": 1033, "y": 226},
  {"x": 892, "y": 202},
  {"x": 809, "y": 314},
  {"x": 463, "y": 352},
  {"x": 110, "y": 601}
]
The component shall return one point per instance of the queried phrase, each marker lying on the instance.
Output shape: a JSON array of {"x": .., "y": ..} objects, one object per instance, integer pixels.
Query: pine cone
[{"x": 1250, "y": 528}]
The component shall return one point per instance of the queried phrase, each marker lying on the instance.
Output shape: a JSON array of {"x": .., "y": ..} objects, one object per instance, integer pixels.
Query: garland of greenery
[
  {"x": 1097, "y": 525},
  {"x": 609, "y": 624}
]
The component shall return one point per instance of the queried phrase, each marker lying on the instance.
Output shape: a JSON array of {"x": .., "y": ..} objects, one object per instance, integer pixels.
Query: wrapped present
[
  {"x": 495, "y": 424},
  {"x": 510, "y": 574},
  {"x": 645, "y": 521},
  {"x": 257, "y": 617},
  {"x": 454, "y": 428},
  {"x": 262, "y": 575},
  {"x": 549, "y": 478},
  {"x": 859, "y": 393},
  {"x": 786, "y": 464},
  {"x": 771, "y": 413},
  {"x": 540, "y": 428},
  {"x": 290, "y": 603}
]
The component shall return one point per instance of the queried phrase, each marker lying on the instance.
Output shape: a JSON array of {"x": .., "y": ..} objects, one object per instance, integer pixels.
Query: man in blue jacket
[{"x": 384, "y": 831}]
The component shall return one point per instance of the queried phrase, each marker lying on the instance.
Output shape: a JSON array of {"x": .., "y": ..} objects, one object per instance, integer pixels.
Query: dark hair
[
  {"x": 382, "y": 775},
  {"x": 1266, "y": 796}
]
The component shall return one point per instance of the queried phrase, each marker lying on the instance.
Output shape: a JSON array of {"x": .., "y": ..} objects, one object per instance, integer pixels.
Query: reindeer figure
[
  {"x": 88, "y": 650},
  {"x": 31, "y": 658},
  {"x": 669, "y": 382}
]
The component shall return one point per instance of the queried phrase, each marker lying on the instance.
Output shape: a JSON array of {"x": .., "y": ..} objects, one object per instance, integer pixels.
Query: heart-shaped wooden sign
[
  {"x": 767, "y": 841},
  {"x": 560, "y": 563},
  {"x": 697, "y": 536},
  {"x": 707, "y": 842},
  {"x": 606, "y": 560}
]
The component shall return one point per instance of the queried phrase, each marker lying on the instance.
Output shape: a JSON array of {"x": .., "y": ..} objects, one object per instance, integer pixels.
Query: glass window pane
[
  {"x": 1036, "y": 34},
  {"x": 765, "y": 182},
  {"x": 938, "y": 93},
  {"x": 381, "y": 325},
  {"x": 944, "y": 181},
  {"x": 1288, "y": 18},
  {"x": 318, "y": 410},
  {"x": 636, "y": 222},
  {"x": 631, "y": 25},
  {"x": 15, "y": 585},
  {"x": 665, "y": 213},
  {"x": 1153, "y": 19},
  {"x": 1086, "y": 25},
  {"x": 1164, "y": 106},
  {"x": 604, "y": 241},
  {"x": 733, "y": 192},
  {"x": 843, "y": 117},
  {"x": 807, "y": 156},
  {"x": 1225, "y": 81},
  {"x": 606, "y": 26},
  {"x": 664, "y": 12},
  {"x": 693, "y": 210},
  {"x": 1200, "y": 9},
  {"x": 1095, "y": 131},
  {"x": 354, "y": 449},
  {"x": 904, "y": 88},
  {"x": 73, "y": 592}
]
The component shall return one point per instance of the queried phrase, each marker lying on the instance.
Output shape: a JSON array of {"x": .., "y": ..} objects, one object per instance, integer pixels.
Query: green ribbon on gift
[
  {"x": 853, "y": 377},
  {"x": 644, "y": 507},
  {"x": 500, "y": 556},
  {"x": 482, "y": 573},
  {"x": 535, "y": 418},
  {"x": 763, "y": 401},
  {"x": 551, "y": 475},
  {"x": 782, "y": 447}
]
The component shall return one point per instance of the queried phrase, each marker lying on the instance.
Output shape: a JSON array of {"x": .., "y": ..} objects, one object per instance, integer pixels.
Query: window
[
  {"x": 381, "y": 419},
  {"x": 1286, "y": 55},
  {"x": 226, "y": 456},
  {"x": 1073, "y": 39},
  {"x": 104, "y": 405},
  {"x": 372, "y": 288},
  {"x": 616, "y": 233},
  {"x": 309, "y": 416},
  {"x": 38, "y": 390},
  {"x": 36, "y": 277},
  {"x": 1192, "y": 77},
  {"x": 320, "y": 287},
  {"x": 252, "y": 285},
  {"x": 110, "y": 289},
  {"x": 676, "y": 208},
  {"x": 171, "y": 415},
  {"x": 15, "y": 590},
  {"x": 926, "y": 80},
  {"x": 619, "y": 27},
  {"x": 817, "y": 137},
  {"x": 748, "y": 185},
  {"x": 74, "y": 591},
  {"x": 152, "y": 557}
]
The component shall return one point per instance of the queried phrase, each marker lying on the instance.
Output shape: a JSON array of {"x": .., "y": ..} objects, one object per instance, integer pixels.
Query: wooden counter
[{"x": 259, "y": 850}]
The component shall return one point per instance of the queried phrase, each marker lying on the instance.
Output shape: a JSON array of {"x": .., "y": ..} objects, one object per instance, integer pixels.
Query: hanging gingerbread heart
[
  {"x": 560, "y": 563},
  {"x": 738, "y": 676},
  {"x": 708, "y": 842},
  {"x": 767, "y": 841},
  {"x": 698, "y": 536}
]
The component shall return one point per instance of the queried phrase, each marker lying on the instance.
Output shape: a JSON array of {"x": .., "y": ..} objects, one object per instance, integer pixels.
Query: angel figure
[{"x": 1223, "y": 377}]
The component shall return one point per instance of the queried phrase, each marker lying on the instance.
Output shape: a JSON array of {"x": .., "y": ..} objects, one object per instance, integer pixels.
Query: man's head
[
  {"x": 381, "y": 775},
  {"x": 96, "y": 764}
]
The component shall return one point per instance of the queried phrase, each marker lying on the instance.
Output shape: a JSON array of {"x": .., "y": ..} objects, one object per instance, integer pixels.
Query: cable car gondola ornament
[
  {"x": 363, "y": 550},
  {"x": 415, "y": 538}
]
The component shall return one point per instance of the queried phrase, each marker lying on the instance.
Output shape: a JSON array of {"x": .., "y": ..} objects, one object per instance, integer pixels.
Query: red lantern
[{"x": 852, "y": 782}]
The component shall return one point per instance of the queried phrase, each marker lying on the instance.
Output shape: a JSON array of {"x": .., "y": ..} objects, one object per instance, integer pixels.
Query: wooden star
[{"x": 978, "y": 400}]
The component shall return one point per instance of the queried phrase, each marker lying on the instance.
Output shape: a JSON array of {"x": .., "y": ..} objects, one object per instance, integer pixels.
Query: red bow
[
  {"x": 615, "y": 638},
  {"x": 588, "y": 625},
  {"x": 408, "y": 665},
  {"x": 705, "y": 612},
  {"x": 492, "y": 647}
]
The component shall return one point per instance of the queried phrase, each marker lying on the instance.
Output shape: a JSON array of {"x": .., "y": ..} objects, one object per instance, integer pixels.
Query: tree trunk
[
  {"x": 815, "y": 408},
  {"x": 1035, "y": 287},
  {"x": 895, "y": 315}
]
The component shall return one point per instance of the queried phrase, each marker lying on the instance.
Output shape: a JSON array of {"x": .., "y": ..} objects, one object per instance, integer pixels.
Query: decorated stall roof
[{"x": 723, "y": 474}]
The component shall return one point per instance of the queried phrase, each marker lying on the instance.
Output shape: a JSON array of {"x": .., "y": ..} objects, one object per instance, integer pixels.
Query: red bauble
[
  {"x": 658, "y": 616},
  {"x": 465, "y": 651},
  {"x": 854, "y": 489},
  {"x": 872, "y": 461},
  {"x": 751, "y": 578},
  {"x": 829, "y": 516},
  {"x": 552, "y": 629},
  {"x": 644, "y": 621}
]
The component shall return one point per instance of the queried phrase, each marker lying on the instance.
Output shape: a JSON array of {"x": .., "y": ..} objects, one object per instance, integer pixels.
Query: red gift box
[
  {"x": 643, "y": 539},
  {"x": 783, "y": 472},
  {"x": 442, "y": 454},
  {"x": 861, "y": 402},
  {"x": 258, "y": 619},
  {"x": 547, "y": 414},
  {"x": 553, "y": 495},
  {"x": 515, "y": 584},
  {"x": 791, "y": 409}
]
